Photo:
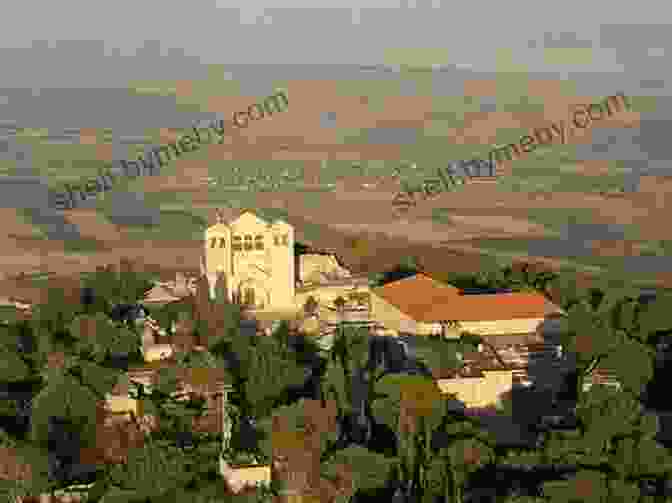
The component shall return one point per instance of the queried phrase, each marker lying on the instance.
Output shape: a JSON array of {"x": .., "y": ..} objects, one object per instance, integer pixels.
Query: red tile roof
[
  {"x": 427, "y": 300},
  {"x": 421, "y": 281},
  {"x": 416, "y": 293}
]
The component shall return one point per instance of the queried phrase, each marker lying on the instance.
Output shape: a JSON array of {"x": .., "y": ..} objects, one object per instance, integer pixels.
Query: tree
[
  {"x": 60, "y": 383},
  {"x": 13, "y": 367},
  {"x": 63, "y": 422},
  {"x": 610, "y": 452},
  {"x": 25, "y": 470},
  {"x": 613, "y": 452},
  {"x": 263, "y": 369},
  {"x": 370, "y": 470},
  {"x": 51, "y": 317},
  {"x": 565, "y": 291},
  {"x": 119, "y": 285},
  {"x": 221, "y": 289},
  {"x": 359, "y": 247},
  {"x": 166, "y": 315},
  {"x": 97, "y": 337},
  {"x": 214, "y": 320},
  {"x": 439, "y": 354},
  {"x": 179, "y": 432},
  {"x": 64, "y": 397},
  {"x": 68, "y": 372},
  {"x": 437, "y": 449},
  {"x": 612, "y": 333},
  {"x": 270, "y": 368},
  {"x": 349, "y": 376},
  {"x": 301, "y": 440},
  {"x": 408, "y": 266},
  {"x": 526, "y": 275},
  {"x": 173, "y": 409},
  {"x": 149, "y": 472}
]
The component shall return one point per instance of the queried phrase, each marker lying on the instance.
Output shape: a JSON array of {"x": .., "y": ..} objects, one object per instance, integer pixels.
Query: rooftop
[
  {"x": 418, "y": 290},
  {"x": 427, "y": 300},
  {"x": 192, "y": 376}
]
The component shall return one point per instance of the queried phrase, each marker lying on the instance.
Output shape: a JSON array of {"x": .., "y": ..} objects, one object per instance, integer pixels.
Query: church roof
[{"x": 228, "y": 216}]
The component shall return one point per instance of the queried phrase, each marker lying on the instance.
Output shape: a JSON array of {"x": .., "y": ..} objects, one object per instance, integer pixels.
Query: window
[
  {"x": 237, "y": 243},
  {"x": 276, "y": 240},
  {"x": 213, "y": 241},
  {"x": 248, "y": 242},
  {"x": 259, "y": 242},
  {"x": 249, "y": 297},
  {"x": 285, "y": 240},
  {"x": 236, "y": 297},
  {"x": 221, "y": 242}
]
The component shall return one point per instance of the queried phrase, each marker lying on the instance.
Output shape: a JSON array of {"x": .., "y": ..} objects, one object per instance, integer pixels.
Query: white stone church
[{"x": 256, "y": 257}]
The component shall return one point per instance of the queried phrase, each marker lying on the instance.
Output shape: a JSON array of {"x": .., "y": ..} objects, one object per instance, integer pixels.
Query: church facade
[{"x": 256, "y": 258}]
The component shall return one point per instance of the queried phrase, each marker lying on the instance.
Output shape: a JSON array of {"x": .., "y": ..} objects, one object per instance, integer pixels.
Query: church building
[{"x": 256, "y": 258}]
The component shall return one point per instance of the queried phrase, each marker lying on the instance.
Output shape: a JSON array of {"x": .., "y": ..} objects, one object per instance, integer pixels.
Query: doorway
[{"x": 248, "y": 297}]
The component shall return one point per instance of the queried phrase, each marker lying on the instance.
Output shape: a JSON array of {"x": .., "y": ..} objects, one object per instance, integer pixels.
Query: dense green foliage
[{"x": 372, "y": 432}]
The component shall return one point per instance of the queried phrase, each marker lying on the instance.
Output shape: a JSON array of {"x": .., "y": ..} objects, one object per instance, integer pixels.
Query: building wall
[
  {"x": 283, "y": 278},
  {"x": 496, "y": 327},
  {"x": 315, "y": 267},
  {"x": 269, "y": 272},
  {"x": 479, "y": 392},
  {"x": 515, "y": 326},
  {"x": 238, "y": 478},
  {"x": 157, "y": 352},
  {"x": 328, "y": 293},
  {"x": 121, "y": 404},
  {"x": 391, "y": 317},
  {"x": 428, "y": 328},
  {"x": 218, "y": 258}
]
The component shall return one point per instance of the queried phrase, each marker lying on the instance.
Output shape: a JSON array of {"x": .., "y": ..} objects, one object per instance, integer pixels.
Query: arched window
[
  {"x": 259, "y": 242},
  {"x": 249, "y": 297},
  {"x": 237, "y": 244},
  {"x": 221, "y": 242},
  {"x": 285, "y": 241},
  {"x": 248, "y": 242},
  {"x": 213, "y": 241}
]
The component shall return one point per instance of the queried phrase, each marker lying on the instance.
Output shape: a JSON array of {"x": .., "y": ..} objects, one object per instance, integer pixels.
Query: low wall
[{"x": 72, "y": 494}]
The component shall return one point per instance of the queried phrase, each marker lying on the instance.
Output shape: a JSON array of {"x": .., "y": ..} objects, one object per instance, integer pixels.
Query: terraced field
[{"x": 331, "y": 165}]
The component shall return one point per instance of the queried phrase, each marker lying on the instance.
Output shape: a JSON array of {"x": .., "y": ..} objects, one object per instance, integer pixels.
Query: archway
[{"x": 253, "y": 294}]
